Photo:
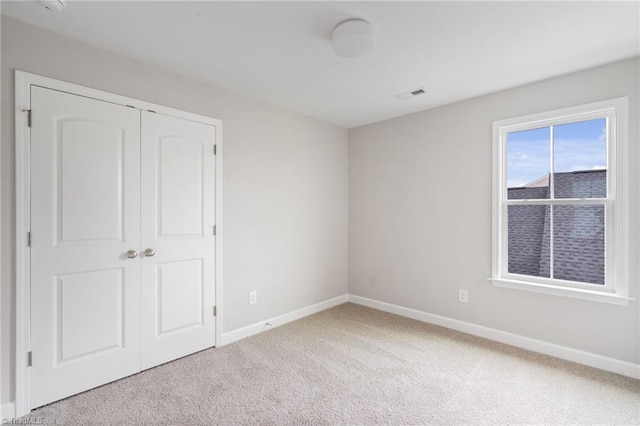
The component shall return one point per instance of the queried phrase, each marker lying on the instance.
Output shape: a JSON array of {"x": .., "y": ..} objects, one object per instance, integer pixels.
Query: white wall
[
  {"x": 4, "y": 376},
  {"x": 285, "y": 181},
  {"x": 420, "y": 215}
]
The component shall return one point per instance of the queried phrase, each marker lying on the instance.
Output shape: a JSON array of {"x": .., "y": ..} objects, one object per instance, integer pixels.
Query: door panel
[
  {"x": 89, "y": 313},
  {"x": 180, "y": 295},
  {"x": 180, "y": 186},
  {"x": 178, "y": 195},
  {"x": 83, "y": 165},
  {"x": 85, "y": 215}
]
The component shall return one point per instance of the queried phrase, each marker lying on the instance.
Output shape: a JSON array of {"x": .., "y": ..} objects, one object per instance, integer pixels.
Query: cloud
[
  {"x": 515, "y": 183},
  {"x": 602, "y": 137},
  {"x": 527, "y": 160},
  {"x": 579, "y": 154},
  {"x": 577, "y": 146}
]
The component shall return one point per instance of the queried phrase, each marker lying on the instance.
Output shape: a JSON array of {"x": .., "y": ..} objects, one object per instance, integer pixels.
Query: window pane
[
  {"x": 580, "y": 159},
  {"x": 578, "y": 243},
  {"x": 528, "y": 162},
  {"x": 529, "y": 242}
]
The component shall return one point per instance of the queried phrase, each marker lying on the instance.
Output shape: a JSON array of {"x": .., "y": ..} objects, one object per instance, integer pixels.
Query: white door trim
[{"x": 23, "y": 83}]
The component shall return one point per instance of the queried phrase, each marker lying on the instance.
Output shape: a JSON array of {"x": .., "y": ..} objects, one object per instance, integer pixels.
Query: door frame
[{"x": 23, "y": 83}]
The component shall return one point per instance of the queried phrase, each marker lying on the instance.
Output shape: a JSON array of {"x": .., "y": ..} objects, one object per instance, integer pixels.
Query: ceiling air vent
[{"x": 411, "y": 93}]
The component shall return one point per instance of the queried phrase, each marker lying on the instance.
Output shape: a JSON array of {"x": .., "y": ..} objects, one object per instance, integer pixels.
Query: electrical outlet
[
  {"x": 253, "y": 297},
  {"x": 463, "y": 295}
]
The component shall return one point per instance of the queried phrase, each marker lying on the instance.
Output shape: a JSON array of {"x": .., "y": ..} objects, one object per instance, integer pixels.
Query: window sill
[{"x": 575, "y": 293}]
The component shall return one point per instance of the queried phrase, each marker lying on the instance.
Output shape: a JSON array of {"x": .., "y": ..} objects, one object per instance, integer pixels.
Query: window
[{"x": 560, "y": 206}]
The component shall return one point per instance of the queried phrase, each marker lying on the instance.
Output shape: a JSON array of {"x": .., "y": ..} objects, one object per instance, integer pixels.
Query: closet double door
[{"x": 122, "y": 241}]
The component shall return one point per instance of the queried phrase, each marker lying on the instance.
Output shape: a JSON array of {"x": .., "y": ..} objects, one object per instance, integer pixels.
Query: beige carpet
[{"x": 352, "y": 365}]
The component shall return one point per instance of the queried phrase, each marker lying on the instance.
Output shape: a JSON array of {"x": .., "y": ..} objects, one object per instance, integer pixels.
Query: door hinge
[
  {"x": 29, "y": 239},
  {"x": 215, "y": 311},
  {"x": 28, "y": 111},
  {"x": 214, "y": 230},
  {"x": 29, "y": 359},
  {"x": 215, "y": 150}
]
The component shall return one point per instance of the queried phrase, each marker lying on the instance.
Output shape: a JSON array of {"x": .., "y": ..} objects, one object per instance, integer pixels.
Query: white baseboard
[
  {"x": 581, "y": 357},
  {"x": 261, "y": 326},
  {"x": 7, "y": 411}
]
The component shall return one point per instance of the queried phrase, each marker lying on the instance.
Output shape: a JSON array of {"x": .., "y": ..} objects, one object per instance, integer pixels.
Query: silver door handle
[
  {"x": 149, "y": 252},
  {"x": 132, "y": 254}
]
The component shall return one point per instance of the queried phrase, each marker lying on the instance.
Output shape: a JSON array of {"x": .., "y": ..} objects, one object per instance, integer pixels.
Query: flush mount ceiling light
[
  {"x": 352, "y": 38},
  {"x": 55, "y": 5}
]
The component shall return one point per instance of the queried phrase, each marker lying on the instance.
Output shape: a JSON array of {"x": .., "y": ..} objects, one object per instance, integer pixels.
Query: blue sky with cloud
[{"x": 577, "y": 146}]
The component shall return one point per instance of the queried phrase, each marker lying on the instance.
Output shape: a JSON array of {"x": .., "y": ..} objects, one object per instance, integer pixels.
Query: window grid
[
  {"x": 552, "y": 201},
  {"x": 613, "y": 216},
  {"x": 552, "y": 186}
]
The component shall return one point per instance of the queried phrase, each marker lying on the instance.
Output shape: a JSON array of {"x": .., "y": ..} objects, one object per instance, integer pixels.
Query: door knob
[
  {"x": 149, "y": 252},
  {"x": 131, "y": 254}
]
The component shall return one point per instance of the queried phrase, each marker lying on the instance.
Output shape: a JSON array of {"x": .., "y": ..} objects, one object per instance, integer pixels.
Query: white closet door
[
  {"x": 178, "y": 215},
  {"x": 85, "y": 216}
]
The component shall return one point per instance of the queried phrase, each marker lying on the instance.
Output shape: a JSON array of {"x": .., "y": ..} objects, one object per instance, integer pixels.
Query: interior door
[
  {"x": 85, "y": 217},
  {"x": 178, "y": 246}
]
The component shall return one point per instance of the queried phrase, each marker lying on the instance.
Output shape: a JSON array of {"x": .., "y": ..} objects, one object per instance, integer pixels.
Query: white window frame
[{"x": 616, "y": 287}]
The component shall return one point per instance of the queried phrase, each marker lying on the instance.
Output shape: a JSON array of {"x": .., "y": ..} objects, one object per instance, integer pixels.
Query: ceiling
[{"x": 280, "y": 52}]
